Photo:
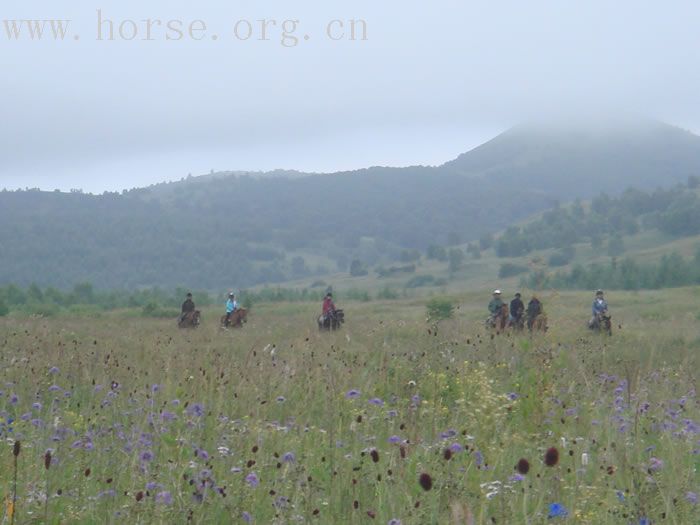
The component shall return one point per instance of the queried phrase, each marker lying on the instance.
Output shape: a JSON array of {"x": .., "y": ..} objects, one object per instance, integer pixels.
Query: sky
[{"x": 137, "y": 93}]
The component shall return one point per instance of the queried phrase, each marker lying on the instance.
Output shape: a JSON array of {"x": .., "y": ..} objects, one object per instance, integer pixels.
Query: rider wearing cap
[
  {"x": 496, "y": 304},
  {"x": 187, "y": 307},
  {"x": 600, "y": 306},
  {"x": 517, "y": 308},
  {"x": 328, "y": 306},
  {"x": 231, "y": 306}
]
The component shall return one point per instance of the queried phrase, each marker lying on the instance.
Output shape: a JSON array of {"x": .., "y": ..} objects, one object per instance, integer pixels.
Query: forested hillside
[{"x": 231, "y": 230}]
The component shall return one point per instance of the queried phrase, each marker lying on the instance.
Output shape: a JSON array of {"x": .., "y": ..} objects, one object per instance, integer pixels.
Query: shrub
[
  {"x": 4, "y": 310},
  {"x": 511, "y": 270},
  {"x": 387, "y": 294},
  {"x": 440, "y": 308},
  {"x": 420, "y": 280}
]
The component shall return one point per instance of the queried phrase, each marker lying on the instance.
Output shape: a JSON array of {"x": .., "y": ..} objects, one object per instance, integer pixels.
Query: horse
[
  {"x": 537, "y": 323},
  {"x": 500, "y": 320},
  {"x": 238, "y": 317},
  {"x": 332, "y": 321},
  {"x": 602, "y": 322},
  {"x": 189, "y": 319}
]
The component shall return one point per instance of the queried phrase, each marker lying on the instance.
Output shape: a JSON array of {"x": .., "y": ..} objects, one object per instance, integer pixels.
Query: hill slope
[{"x": 227, "y": 230}]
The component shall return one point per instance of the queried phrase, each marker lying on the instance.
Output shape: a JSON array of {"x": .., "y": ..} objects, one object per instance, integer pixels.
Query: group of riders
[
  {"x": 516, "y": 315},
  {"x": 501, "y": 315},
  {"x": 190, "y": 316}
]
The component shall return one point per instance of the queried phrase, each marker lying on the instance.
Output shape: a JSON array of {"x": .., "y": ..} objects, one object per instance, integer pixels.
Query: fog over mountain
[{"x": 247, "y": 229}]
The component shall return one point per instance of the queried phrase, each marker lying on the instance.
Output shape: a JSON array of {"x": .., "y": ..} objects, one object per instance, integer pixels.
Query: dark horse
[
  {"x": 236, "y": 320},
  {"x": 189, "y": 320},
  {"x": 602, "y": 322},
  {"x": 332, "y": 321}
]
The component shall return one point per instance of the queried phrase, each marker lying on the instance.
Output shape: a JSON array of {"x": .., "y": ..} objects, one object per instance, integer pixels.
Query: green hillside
[{"x": 236, "y": 230}]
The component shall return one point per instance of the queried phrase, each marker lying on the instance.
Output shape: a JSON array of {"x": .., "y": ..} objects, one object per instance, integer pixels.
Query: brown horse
[
  {"x": 500, "y": 320},
  {"x": 236, "y": 320},
  {"x": 189, "y": 320},
  {"x": 538, "y": 323}
]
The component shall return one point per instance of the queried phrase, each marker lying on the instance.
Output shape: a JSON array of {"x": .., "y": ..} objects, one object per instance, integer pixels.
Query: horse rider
[
  {"x": 231, "y": 306},
  {"x": 495, "y": 305},
  {"x": 187, "y": 307},
  {"x": 534, "y": 308},
  {"x": 517, "y": 308},
  {"x": 328, "y": 308},
  {"x": 599, "y": 308}
]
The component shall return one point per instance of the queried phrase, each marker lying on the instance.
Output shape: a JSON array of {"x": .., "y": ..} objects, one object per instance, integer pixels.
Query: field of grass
[{"x": 393, "y": 419}]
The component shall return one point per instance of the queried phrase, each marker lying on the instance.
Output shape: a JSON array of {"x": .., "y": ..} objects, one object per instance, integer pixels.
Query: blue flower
[
  {"x": 557, "y": 510},
  {"x": 352, "y": 394}
]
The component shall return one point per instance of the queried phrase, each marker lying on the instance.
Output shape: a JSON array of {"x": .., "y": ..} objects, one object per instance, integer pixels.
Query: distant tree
[
  {"x": 410, "y": 256},
  {"x": 436, "y": 252},
  {"x": 616, "y": 246},
  {"x": 453, "y": 238},
  {"x": 298, "y": 267},
  {"x": 473, "y": 250},
  {"x": 596, "y": 242},
  {"x": 486, "y": 241},
  {"x": 693, "y": 182},
  {"x": 34, "y": 294},
  {"x": 357, "y": 268},
  {"x": 456, "y": 258},
  {"x": 4, "y": 309}
]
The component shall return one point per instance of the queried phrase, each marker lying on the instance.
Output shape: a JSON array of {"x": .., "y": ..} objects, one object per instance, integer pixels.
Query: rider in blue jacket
[
  {"x": 600, "y": 306},
  {"x": 231, "y": 306}
]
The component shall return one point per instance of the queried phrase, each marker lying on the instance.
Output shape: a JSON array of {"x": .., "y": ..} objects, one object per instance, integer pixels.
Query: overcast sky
[{"x": 432, "y": 80}]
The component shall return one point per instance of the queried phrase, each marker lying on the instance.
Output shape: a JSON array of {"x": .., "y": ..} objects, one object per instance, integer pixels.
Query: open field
[{"x": 278, "y": 423}]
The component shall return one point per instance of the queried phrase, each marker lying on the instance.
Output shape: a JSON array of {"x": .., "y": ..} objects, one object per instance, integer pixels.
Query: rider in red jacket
[{"x": 328, "y": 305}]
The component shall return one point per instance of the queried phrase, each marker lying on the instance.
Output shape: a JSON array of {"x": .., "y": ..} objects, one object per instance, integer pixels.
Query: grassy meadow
[{"x": 393, "y": 419}]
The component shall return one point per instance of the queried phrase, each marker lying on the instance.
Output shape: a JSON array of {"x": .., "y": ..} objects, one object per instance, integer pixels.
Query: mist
[{"x": 427, "y": 83}]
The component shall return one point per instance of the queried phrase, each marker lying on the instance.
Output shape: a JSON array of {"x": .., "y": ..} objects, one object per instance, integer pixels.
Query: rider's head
[
  {"x": 599, "y": 293},
  {"x": 189, "y": 295},
  {"x": 496, "y": 293},
  {"x": 231, "y": 295},
  {"x": 329, "y": 294},
  {"x": 517, "y": 295}
]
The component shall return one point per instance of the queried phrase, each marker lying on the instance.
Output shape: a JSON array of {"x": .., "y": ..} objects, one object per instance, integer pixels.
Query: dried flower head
[
  {"x": 551, "y": 457},
  {"x": 523, "y": 466},
  {"x": 425, "y": 481}
]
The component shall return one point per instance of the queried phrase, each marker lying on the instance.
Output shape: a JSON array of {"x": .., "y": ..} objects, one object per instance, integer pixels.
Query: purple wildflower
[
  {"x": 14, "y": 399},
  {"x": 146, "y": 456},
  {"x": 289, "y": 457},
  {"x": 151, "y": 485},
  {"x": 164, "y": 498},
  {"x": 247, "y": 517},
  {"x": 456, "y": 447},
  {"x": 691, "y": 497},
  {"x": 352, "y": 394},
  {"x": 36, "y": 406},
  {"x": 655, "y": 464},
  {"x": 196, "y": 409},
  {"x": 376, "y": 401},
  {"x": 394, "y": 521},
  {"x": 252, "y": 479},
  {"x": 54, "y": 370},
  {"x": 394, "y": 439},
  {"x": 54, "y": 388},
  {"x": 448, "y": 434}
]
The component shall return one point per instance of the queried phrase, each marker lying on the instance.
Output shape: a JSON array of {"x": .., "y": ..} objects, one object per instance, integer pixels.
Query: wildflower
[
  {"x": 448, "y": 434},
  {"x": 281, "y": 399},
  {"x": 655, "y": 464},
  {"x": 523, "y": 466},
  {"x": 247, "y": 517},
  {"x": 374, "y": 455},
  {"x": 155, "y": 388},
  {"x": 252, "y": 479},
  {"x": 54, "y": 370},
  {"x": 54, "y": 388},
  {"x": 36, "y": 406},
  {"x": 196, "y": 409},
  {"x": 394, "y": 439},
  {"x": 164, "y": 498},
  {"x": 584, "y": 459},
  {"x": 146, "y": 456},
  {"x": 394, "y": 521},
  {"x": 376, "y": 401},
  {"x": 352, "y": 394},
  {"x": 14, "y": 399},
  {"x": 557, "y": 510},
  {"x": 478, "y": 458},
  {"x": 289, "y": 457},
  {"x": 456, "y": 448},
  {"x": 516, "y": 478},
  {"x": 551, "y": 457},
  {"x": 151, "y": 485},
  {"x": 513, "y": 396},
  {"x": 392, "y": 413},
  {"x": 691, "y": 497},
  {"x": 425, "y": 481}
]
